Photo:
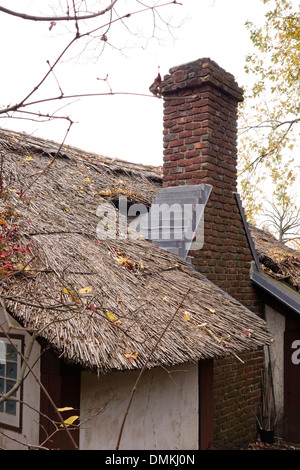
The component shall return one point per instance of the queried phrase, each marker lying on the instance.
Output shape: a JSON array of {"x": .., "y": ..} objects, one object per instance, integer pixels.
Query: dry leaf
[
  {"x": 66, "y": 291},
  {"x": 247, "y": 333},
  {"x": 69, "y": 421},
  {"x": 186, "y": 315},
  {"x": 71, "y": 294},
  {"x": 112, "y": 318},
  {"x": 26, "y": 268},
  {"x": 131, "y": 356},
  {"x": 85, "y": 290}
]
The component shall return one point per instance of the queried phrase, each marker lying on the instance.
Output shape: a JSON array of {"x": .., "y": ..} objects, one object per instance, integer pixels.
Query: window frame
[{"x": 9, "y": 421}]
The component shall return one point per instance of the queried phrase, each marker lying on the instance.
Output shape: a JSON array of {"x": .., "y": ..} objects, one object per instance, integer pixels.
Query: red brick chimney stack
[
  {"x": 200, "y": 116},
  {"x": 200, "y": 146},
  {"x": 200, "y": 134}
]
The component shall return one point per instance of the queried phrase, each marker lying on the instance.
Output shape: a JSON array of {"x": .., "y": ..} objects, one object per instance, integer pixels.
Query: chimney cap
[{"x": 197, "y": 73}]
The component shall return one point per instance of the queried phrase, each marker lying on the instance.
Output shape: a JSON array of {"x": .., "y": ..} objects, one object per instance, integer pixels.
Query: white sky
[{"x": 126, "y": 127}]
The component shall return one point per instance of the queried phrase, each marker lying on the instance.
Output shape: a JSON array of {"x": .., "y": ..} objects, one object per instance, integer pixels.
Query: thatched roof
[
  {"x": 104, "y": 303},
  {"x": 277, "y": 259}
]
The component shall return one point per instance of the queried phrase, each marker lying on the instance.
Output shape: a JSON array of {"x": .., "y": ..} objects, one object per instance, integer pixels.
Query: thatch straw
[
  {"x": 132, "y": 286},
  {"x": 278, "y": 260}
]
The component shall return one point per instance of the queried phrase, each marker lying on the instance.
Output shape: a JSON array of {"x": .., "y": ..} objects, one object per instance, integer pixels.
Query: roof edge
[
  {"x": 276, "y": 290},
  {"x": 248, "y": 234}
]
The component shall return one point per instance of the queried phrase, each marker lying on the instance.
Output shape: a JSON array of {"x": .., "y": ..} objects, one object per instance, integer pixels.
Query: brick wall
[{"x": 200, "y": 133}]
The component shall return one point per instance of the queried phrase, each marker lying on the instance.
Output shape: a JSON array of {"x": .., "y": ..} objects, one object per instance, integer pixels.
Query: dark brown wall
[
  {"x": 62, "y": 382},
  {"x": 200, "y": 134}
]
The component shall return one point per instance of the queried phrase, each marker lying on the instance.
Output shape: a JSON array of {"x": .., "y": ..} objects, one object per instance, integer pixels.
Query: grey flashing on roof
[
  {"x": 248, "y": 234},
  {"x": 276, "y": 289},
  {"x": 175, "y": 219}
]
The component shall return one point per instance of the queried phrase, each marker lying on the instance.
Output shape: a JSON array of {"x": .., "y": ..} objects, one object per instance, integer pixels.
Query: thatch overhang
[
  {"x": 278, "y": 260},
  {"x": 103, "y": 304}
]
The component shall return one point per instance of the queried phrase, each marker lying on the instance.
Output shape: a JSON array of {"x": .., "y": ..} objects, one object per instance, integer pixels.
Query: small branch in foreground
[
  {"x": 51, "y": 162},
  {"x": 77, "y": 37},
  {"x": 26, "y": 364},
  {"x": 25, "y": 16},
  {"x": 144, "y": 368}
]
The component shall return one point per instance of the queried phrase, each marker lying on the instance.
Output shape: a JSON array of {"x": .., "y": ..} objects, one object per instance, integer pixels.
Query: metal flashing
[
  {"x": 176, "y": 217},
  {"x": 248, "y": 234},
  {"x": 278, "y": 290}
]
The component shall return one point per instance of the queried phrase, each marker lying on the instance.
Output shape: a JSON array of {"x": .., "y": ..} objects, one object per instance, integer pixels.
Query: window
[{"x": 10, "y": 361}]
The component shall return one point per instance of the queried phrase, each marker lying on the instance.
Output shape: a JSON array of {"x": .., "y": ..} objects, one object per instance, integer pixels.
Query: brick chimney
[{"x": 200, "y": 134}]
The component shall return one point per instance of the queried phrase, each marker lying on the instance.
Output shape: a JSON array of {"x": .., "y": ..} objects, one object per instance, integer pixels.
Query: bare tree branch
[
  {"x": 145, "y": 365},
  {"x": 285, "y": 220},
  {"x": 75, "y": 17}
]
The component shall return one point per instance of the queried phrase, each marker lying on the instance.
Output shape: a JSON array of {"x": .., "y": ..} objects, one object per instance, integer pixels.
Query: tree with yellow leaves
[{"x": 270, "y": 114}]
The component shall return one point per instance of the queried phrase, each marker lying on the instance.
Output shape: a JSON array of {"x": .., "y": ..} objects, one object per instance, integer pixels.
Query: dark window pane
[
  {"x": 8, "y": 376},
  {"x": 9, "y": 386},
  {"x": 11, "y": 370},
  {"x": 11, "y": 407},
  {"x": 11, "y": 353}
]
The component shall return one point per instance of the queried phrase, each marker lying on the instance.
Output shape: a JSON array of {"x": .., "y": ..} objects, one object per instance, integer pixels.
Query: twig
[
  {"x": 25, "y": 16},
  {"x": 51, "y": 162},
  {"x": 55, "y": 78},
  {"x": 144, "y": 368},
  {"x": 26, "y": 364}
]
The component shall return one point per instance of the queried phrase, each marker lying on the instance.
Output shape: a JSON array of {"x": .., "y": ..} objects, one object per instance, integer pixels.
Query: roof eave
[{"x": 276, "y": 289}]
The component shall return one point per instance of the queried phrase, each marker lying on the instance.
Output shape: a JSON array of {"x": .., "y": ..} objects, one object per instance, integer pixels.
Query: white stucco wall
[
  {"x": 31, "y": 398},
  {"x": 276, "y": 323},
  {"x": 163, "y": 414}
]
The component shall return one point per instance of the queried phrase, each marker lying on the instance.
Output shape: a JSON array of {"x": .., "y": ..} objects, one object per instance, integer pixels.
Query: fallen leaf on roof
[
  {"x": 71, "y": 294},
  {"x": 186, "y": 316},
  {"x": 131, "y": 356},
  {"x": 126, "y": 262},
  {"x": 66, "y": 291},
  {"x": 85, "y": 290},
  {"x": 111, "y": 317},
  {"x": 26, "y": 268},
  {"x": 247, "y": 333}
]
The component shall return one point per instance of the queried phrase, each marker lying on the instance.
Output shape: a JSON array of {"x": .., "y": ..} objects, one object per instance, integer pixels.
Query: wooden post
[{"x": 206, "y": 412}]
